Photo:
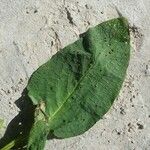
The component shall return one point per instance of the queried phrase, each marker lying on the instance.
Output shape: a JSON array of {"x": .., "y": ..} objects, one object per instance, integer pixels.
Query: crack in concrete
[
  {"x": 69, "y": 17},
  {"x": 19, "y": 58},
  {"x": 57, "y": 40}
]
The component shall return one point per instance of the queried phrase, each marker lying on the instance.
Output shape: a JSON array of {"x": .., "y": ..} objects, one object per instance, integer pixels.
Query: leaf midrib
[{"x": 76, "y": 87}]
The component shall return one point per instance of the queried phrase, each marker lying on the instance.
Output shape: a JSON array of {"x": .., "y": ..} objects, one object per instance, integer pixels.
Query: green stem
[
  {"x": 17, "y": 141},
  {"x": 9, "y": 145}
]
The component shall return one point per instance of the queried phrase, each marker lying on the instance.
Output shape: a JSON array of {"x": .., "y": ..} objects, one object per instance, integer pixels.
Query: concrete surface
[{"x": 31, "y": 31}]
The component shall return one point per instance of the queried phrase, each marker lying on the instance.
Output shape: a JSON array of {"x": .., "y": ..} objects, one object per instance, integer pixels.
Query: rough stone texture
[{"x": 31, "y": 31}]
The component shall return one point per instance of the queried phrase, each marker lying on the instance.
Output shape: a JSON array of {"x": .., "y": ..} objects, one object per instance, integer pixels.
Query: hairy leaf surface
[{"x": 78, "y": 85}]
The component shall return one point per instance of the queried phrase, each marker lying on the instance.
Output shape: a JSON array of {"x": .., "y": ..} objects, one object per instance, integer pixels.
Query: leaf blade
[{"x": 74, "y": 84}]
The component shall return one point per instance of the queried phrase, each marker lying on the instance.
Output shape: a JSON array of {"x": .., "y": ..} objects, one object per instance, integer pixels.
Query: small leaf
[
  {"x": 1, "y": 123},
  {"x": 78, "y": 85},
  {"x": 38, "y": 142}
]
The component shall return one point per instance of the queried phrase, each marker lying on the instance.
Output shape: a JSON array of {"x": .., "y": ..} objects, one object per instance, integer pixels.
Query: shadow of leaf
[{"x": 21, "y": 124}]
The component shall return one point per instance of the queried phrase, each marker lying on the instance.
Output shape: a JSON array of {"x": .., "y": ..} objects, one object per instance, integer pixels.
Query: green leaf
[
  {"x": 39, "y": 135},
  {"x": 78, "y": 85},
  {"x": 1, "y": 123}
]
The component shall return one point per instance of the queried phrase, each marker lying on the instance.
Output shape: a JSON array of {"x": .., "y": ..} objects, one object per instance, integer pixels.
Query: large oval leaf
[{"x": 78, "y": 85}]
